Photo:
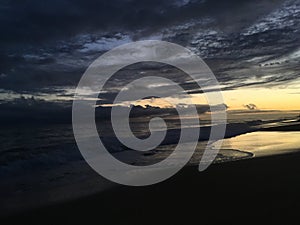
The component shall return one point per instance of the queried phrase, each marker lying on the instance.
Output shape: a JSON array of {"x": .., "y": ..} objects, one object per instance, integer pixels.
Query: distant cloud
[{"x": 251, "y": 106}]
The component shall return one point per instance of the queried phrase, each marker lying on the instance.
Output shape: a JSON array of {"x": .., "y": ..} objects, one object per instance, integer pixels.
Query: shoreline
[
  {"x": 185, "y": 177},
  {"x": 267, "y": 186}
]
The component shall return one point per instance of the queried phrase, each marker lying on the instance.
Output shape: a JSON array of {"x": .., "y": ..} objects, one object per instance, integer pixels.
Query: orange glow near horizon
[
  {"x": 284, "y": 98},
  {"x": 263, "y": 98}
]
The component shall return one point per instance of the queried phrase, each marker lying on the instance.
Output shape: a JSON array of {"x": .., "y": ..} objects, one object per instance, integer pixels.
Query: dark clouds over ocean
[{"x": 45, "y": 46}]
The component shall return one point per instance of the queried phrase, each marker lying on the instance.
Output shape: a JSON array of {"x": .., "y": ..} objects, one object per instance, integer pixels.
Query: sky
[{"x": 253, "y": 47}]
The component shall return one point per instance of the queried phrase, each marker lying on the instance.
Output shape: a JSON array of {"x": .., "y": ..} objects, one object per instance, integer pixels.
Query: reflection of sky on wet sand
[{"x": 265, "y": 143}]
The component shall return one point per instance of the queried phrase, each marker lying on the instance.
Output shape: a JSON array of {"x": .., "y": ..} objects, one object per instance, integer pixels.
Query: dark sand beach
[{"x": 254, "y": 191}]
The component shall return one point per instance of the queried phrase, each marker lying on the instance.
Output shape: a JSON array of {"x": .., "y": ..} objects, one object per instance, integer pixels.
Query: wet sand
[{"x": 262, "y": 190}]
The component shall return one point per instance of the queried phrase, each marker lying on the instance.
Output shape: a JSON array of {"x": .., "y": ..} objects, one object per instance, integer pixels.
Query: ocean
[{"x": 40, "y": 164}]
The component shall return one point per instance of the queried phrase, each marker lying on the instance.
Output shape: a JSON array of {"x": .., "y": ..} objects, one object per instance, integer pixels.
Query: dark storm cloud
[
  {"x": 47, "y": 44},
  {"x": 33, "y": 21},
  {"x": 36, "y": 20}
]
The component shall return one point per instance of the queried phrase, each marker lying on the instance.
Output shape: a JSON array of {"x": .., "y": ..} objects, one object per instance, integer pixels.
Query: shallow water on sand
[{"x": 263, "y": 143}]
